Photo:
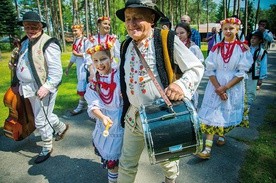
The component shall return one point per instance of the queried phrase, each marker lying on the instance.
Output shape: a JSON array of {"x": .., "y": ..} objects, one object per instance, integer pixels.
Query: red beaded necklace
[
  {"x": 229, "y": 47},
  {"x": 77, "y": 47},
  {"x": 110, "y": 87},
  {"x": 106, "y": 39}
]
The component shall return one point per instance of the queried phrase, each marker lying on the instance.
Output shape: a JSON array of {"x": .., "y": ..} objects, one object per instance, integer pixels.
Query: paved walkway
[{"x": 73, "y": 159}]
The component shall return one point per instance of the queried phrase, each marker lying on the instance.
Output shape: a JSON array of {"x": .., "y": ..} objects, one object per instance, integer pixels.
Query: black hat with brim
[
  {"x": 31, "y": 17},
  {"x": 164, "y": 20},
  {"x": 140, "y": 4},
  {"x": 258, "y": 34}
]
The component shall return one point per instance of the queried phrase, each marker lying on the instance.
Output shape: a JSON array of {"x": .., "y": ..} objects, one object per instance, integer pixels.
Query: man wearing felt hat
[
  {"x": 140, "y": 17},
  {"x": 39, "y": 72}
]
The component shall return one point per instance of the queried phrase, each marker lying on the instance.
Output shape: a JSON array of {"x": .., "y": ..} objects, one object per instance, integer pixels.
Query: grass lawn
[
  {"x": 260, "y": 160},
  {"x": 67, "y": 97}
]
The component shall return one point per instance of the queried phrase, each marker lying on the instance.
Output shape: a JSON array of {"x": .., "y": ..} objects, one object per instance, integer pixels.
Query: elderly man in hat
[
  {"x": 140, "y": 17},
  {"x": 39, "y": 72}
]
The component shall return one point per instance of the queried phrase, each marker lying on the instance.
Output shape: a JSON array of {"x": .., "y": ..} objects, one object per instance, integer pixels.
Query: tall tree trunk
[
  {"x": 257, "y": 14},
  {"x": 246, "y": 17},
  {"x": 238, "y": 9},
  {"x": 102, "y": 9},
  {"x": 234, "y": 8},
  {"x": 228, "y": 8},
  {"x": 86, "y": 18},
  {"x": 162, "y": 6},
  {"x": 224, "y": 8},
  {"x": 107, "y": 8},
  {"x": 18, "y": 14},
  {"x": 171, "y": 10},
  {"x": 207, "y": 7},
  {"x": 55, "y": 19},
  {"x": 76, "y": 18},
  {"x": 17, "y": 10},
  {"x": 90, "y": 17},
  {"x": 179, "y": 13},
  {"x": 61, "y": 24},
  {"x": 46, "y": 11},
  {"x": 186, "y": 7},
  {"x": 198, "y": 13},
  {"x": 38, "y": 6}
]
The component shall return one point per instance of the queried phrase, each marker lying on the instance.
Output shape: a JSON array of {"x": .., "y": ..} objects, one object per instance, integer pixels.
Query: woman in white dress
[
  {"x": 184, "y": 32},
  {"x": 103, "y": 96},
  {"x": 223, "y": 103},
  {"x": 104, "y": 36}
]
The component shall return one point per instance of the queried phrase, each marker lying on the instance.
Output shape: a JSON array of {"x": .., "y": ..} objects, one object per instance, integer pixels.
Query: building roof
[{"x": 203, "y": 27}]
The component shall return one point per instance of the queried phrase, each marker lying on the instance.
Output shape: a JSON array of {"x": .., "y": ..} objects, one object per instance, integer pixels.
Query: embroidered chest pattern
[{"x": 137, "y": 70}]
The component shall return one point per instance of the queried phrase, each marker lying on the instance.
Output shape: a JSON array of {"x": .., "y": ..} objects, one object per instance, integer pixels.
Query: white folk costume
[
  {"x": 141, "y": 90},
  {"x": 108, "y": 99},
  {"x": 198, "y": 53},
  {"x": 225, "y": 61},
  {"x": 49, "y": 70},
  {"x": 80, "y": 45}
]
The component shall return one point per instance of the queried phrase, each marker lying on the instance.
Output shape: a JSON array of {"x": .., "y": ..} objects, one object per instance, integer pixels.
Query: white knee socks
[{"x": 112, "y": 177}]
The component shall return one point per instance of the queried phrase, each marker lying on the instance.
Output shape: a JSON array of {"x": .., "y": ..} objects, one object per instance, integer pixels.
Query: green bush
[{"x": 5, "y": 47}]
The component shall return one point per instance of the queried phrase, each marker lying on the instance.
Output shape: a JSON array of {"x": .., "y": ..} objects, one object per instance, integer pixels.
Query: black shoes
[
  {"x": 43, "y": 156},
  {"x": 61, "y": 136}
]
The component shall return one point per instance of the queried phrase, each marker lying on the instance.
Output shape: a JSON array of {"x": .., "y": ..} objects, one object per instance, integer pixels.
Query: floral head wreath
[
  {"x": 77, "y": 26},
  {"x": 232, "y": 20},
  {"x": 100, "y": 47},
  {"x": 103, "y": 18}
]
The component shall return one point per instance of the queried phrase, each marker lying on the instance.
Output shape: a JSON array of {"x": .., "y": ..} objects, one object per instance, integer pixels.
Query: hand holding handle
[{"x": 105, "y": 132}]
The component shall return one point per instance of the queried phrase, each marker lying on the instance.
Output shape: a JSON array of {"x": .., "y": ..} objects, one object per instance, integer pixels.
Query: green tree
[
  {"x": 8, "y": 18},
  {"x": 269, "y": 15},
  {"x": 271, "y": 18}
]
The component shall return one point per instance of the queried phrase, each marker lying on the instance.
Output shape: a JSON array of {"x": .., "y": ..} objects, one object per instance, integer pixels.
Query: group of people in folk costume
[{"x": 115, "y": 84}]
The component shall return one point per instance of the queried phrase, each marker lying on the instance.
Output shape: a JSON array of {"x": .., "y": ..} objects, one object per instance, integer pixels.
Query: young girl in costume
[
  {"x": 184, "y": 32},
  {"x": 104, "y": 36},
  {"x": 103, "y": 96},
  {"x": 78, "y": 56},
  {"x": 223, "y": 103}
]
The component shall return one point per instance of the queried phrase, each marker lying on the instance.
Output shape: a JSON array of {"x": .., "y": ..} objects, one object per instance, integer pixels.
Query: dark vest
[
  {"x": 160, "y": 63},
  {"x": 257, "y": 57}
]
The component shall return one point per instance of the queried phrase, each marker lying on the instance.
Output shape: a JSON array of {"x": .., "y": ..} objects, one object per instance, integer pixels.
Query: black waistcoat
[{"x": 160, "y": 64}]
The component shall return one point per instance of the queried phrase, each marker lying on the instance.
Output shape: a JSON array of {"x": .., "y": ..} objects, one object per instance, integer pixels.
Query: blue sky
[{"x": 264, "y": 4}]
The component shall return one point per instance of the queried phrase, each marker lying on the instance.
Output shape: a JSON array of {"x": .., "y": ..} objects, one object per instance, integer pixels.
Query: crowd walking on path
[{"x": 115, "y": 80}]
